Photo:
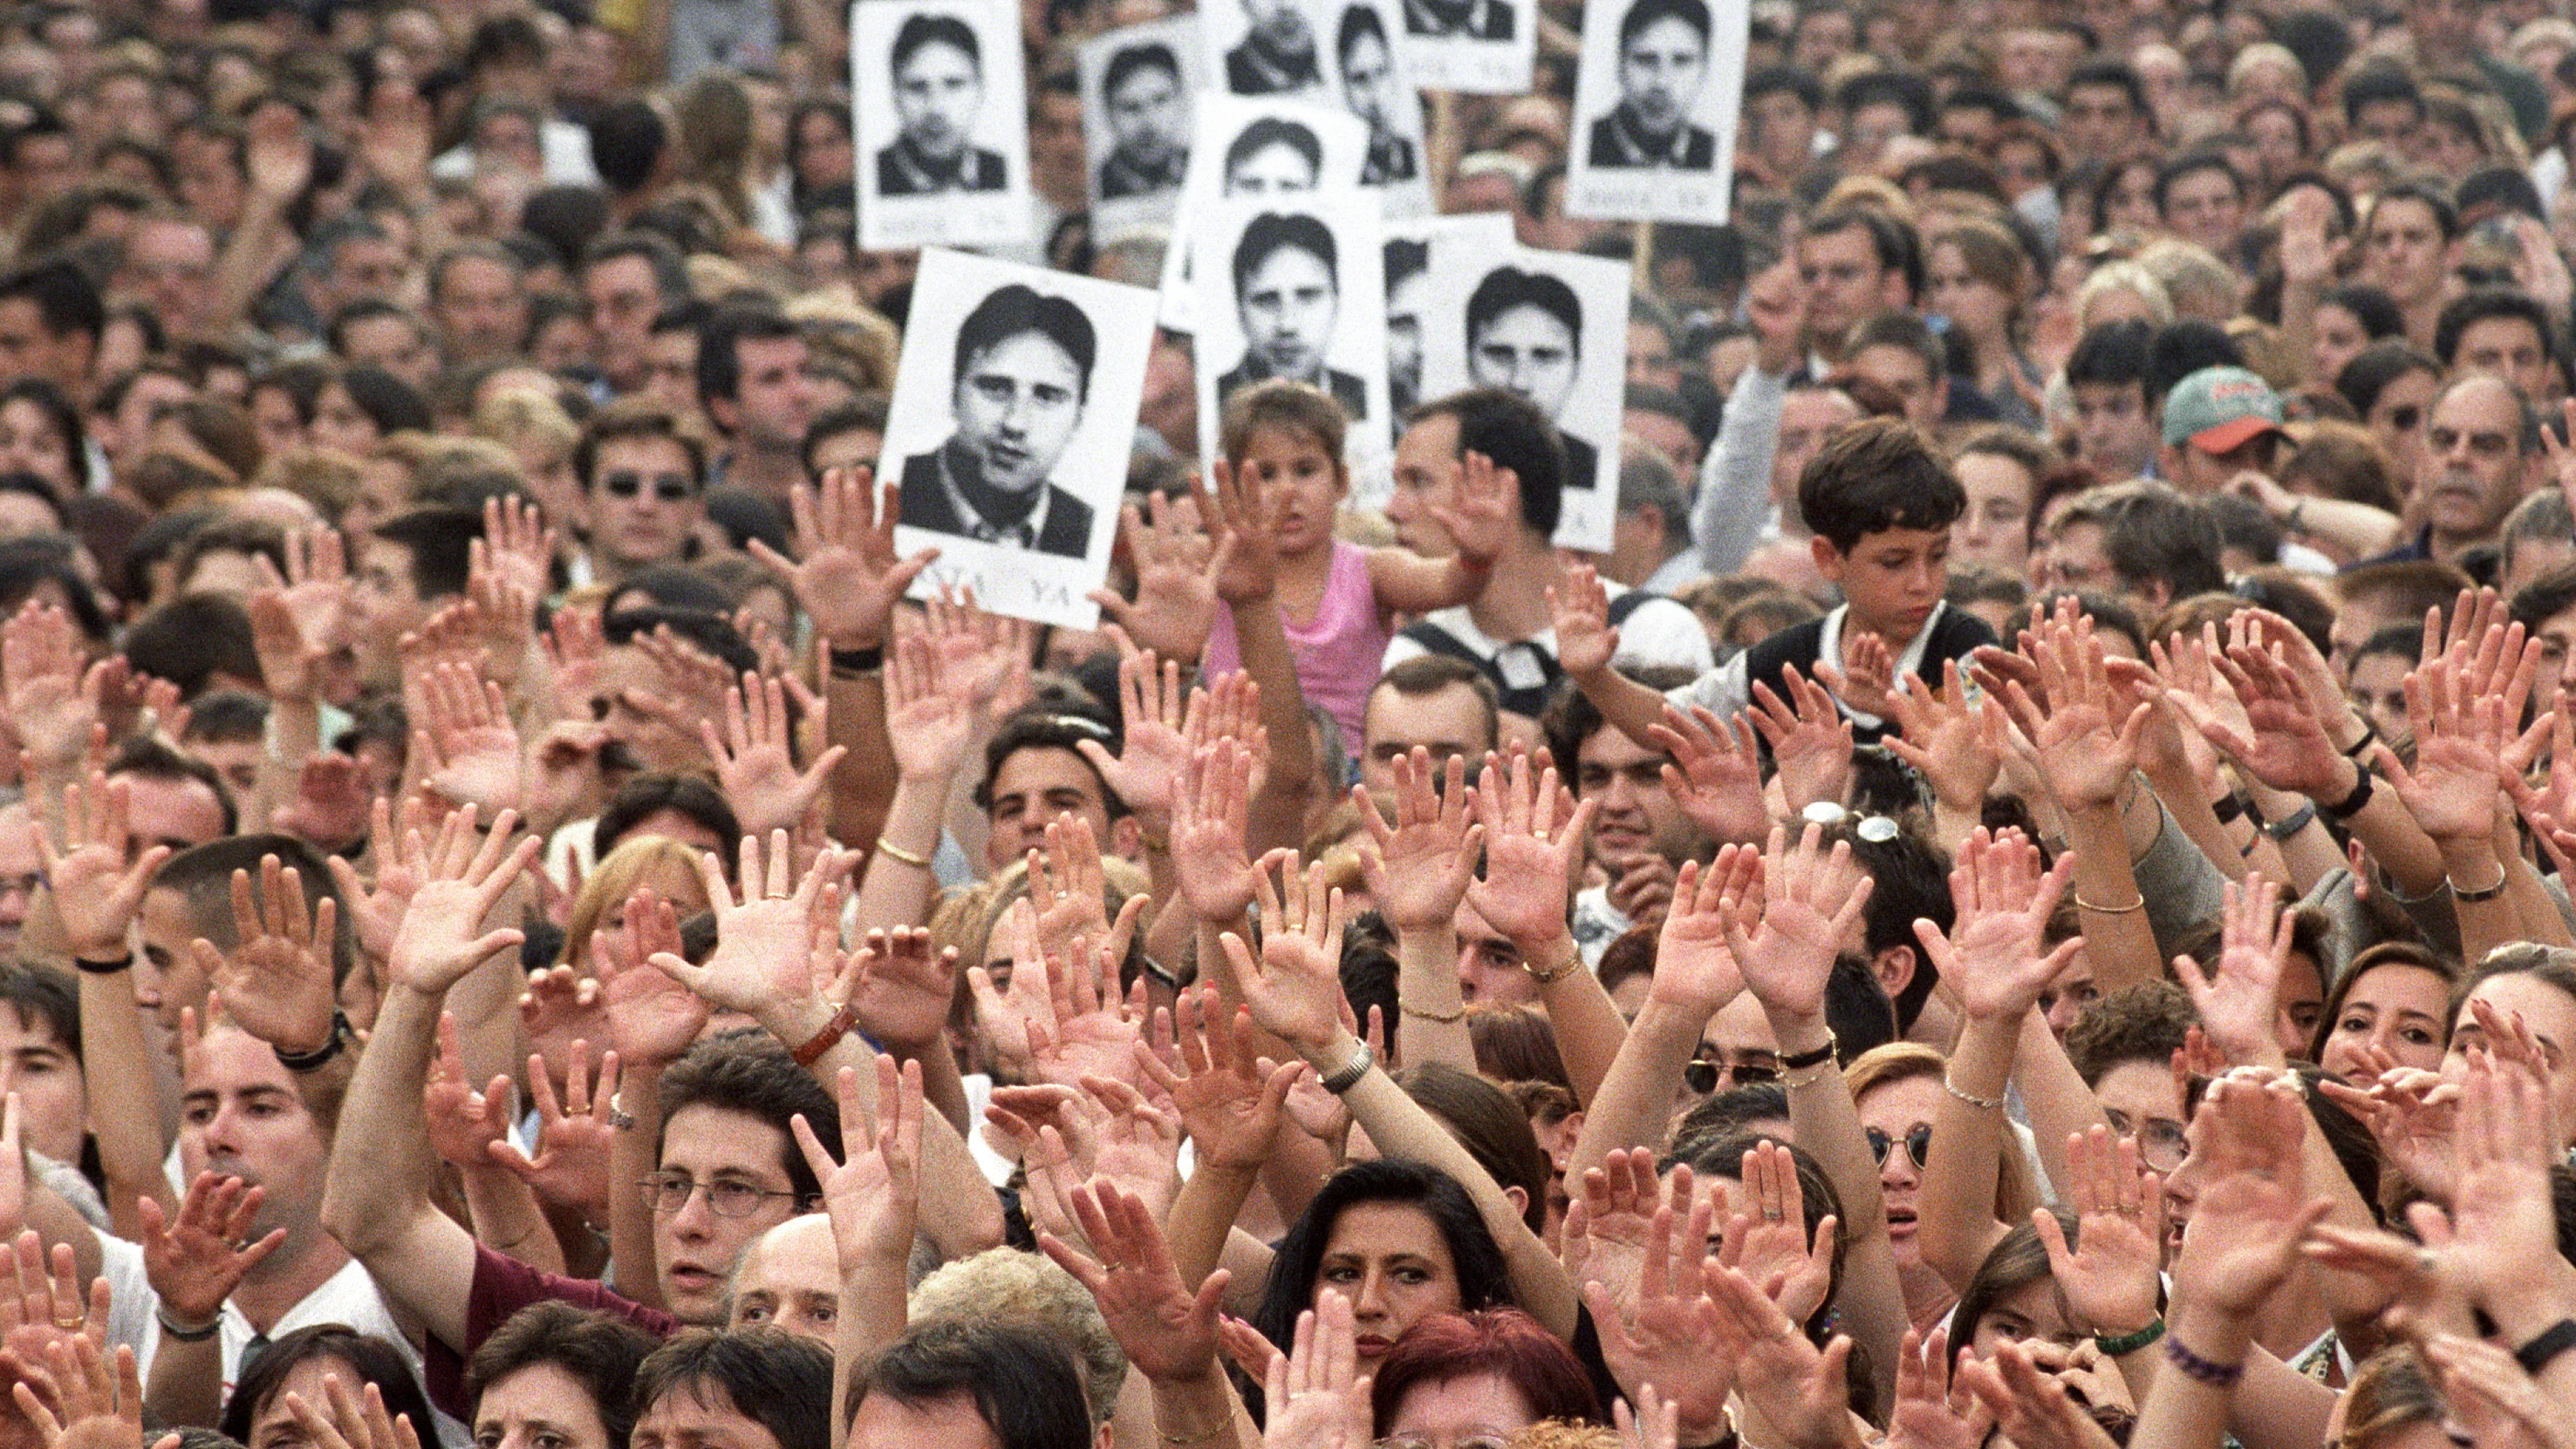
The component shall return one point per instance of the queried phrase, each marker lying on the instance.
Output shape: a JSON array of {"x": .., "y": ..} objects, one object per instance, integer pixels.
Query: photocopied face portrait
[
  {"x": 1287, "y": 297},
  {"x": 1276, "y": 52},
  {"x": 939, "y": 124},
  {"x": 937, "y": 69},
  {"x": 1294, "y": 290},
  {"x": 1408, "y": 280},
  {"x": 1552, "y": 327},
  {"x": 1013, "y": 413},
  {"x": 1146, "y": 102},
  {"x": 1246, "y": 150},
  {"x": 1659, "y": 82},
  {"x": 1480, "y": 46},
  {"x": 1370, "y": 77},
  {"x": 1663, "y": 64}
]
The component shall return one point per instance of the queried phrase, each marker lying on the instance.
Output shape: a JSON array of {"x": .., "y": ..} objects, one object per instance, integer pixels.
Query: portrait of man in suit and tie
[
  {"x": 1023, "y": 374},
  {"x": 1147, "y": 107},
  {"x": 938, "y": 71},
  {"x": 1367, "y": 64},
  {"x": 1287, "y": 296},
  {"x": 1663, "y": 63},
  {"x": 1525, "y": 334},
  {"x": 1459, "y": 19}
]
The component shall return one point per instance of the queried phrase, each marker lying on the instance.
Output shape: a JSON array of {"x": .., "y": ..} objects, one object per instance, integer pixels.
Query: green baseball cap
[{"x": 2220, "y": 409}]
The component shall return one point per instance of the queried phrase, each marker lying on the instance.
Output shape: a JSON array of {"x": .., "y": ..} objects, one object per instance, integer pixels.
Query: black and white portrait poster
[
  {"x": 1553, "y": 327},
  {"x": 939, "y": 111},
  {"x": 1268, "y": 48},
  {"x": 1482, "y": 46},
  {"x": 1656, "y": 92},
  {"x": 1137, "y": 85},
  {"x": 1368, "y": 75},
  {"x": 1408, "y": 259},
  {"x": 1250, "y": 147},
  {"x": 1291, "y": 288},
  {"x": 1013, "y": 414}
]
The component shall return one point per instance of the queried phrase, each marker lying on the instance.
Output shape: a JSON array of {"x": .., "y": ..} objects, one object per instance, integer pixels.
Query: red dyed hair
[{"x": 1504, "y": 1342}]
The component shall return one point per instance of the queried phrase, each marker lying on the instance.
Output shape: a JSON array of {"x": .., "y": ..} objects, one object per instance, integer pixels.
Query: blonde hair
[
  {"x": 323, "y": 477},
  {"x": 2199, "y": 283},
  {"x": 1006, "y": 1285},
  {"x": 614, "y": 879},
  {"x": 2124, "y": 276},
  {"x": 518, "y": 416},
  {"x": 2016, "y": 1193}
]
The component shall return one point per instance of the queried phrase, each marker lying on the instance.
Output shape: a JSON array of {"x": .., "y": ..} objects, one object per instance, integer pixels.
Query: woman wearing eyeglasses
[{"x": 1897, "y": 1089}]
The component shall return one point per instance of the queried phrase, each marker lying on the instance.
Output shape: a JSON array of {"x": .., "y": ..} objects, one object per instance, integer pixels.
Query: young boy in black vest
[{"x": 1881, "y": 500}]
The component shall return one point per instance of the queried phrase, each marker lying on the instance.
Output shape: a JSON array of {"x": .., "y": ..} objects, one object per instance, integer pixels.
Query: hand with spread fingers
[
  {"x": 196, "y": 1260},
  {"x": 846, "y": 575}
]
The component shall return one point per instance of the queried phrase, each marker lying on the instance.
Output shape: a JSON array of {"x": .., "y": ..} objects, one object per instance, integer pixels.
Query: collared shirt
[
  {"x": 1633, "y": 147},
  {"x": 1390, "y": 158},
  {"x": 1123, "y": 175},
  {"x": 925, "y": 174},
  {"x": 973, "y": 524},
  {"x": 1269, "y": 72},
  {"x": 1480, "y": 20}
]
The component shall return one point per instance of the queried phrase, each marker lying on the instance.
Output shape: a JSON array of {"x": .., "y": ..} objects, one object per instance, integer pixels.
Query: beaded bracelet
[{"x": 2193, "y": 1366}]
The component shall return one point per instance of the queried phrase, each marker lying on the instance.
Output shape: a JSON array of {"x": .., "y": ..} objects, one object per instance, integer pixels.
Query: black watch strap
[
  {"x": 2554, "y": 1340},
  {"x": 318, "y": 1058}
]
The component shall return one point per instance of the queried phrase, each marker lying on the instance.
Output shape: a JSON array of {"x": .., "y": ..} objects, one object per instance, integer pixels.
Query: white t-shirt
[{"x": 1659, "y": 632}]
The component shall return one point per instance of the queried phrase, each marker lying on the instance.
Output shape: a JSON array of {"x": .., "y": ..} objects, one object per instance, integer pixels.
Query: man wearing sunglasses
[{"x": 643, "y": 480}]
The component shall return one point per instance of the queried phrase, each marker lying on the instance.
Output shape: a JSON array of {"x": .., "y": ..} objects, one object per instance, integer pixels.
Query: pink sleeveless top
[{"x": 1337, "y": 651}]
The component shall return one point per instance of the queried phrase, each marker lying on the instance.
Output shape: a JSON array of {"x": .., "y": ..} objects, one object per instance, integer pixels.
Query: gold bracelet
[
  {"x": 889, "y": 848},
  {"x": 1807, "y": 1078},
  {"x": 1443, "y": 1017},
  {"x": 1982, "y": 1104},
  {"x": 2139, "y": 904},
  {"x": 1556, "y": 973},
  {"x": 1178, "y": 1440}
]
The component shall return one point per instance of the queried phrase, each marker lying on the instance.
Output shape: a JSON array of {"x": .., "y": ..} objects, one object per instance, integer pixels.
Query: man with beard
[
  {"x": 1287, "y": 292},
  {"x": 1023, "y": 374},
  {"x": 1277, "y": 56},
  {"x": 1663, "y": 61},
  {"x": 1148, "y": 113},
  {"x": 938, "y": 71},
  {"x": 1367, "y": 64}
]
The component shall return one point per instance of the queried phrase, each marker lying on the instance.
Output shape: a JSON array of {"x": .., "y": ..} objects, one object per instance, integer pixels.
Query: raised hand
[
  {"x": 50, "y": 697},
  {"x": 194, "y": 1261},
  {"x": 574, "y": 649},
  {"x": 1800, "y": 1390},
  {"x": 463, "y": 1123},
  {"x": 96, "y": 888},
  {"x": 1668, "y": 1333},
  {"x": 1177, "y": 564},
  {"x": 1229, "y": 1098},
  {"x": 1317, "y": 1396},
  {"x": 2461, "y": 732},
  {"x": 1153, "y": 753},
  {"x": 277, "y": 984},
  {"x": 376, "y": 908},
  {"x": 652, "y": 1019},
  {"x": 332, "y": 800},
  {"x": 43, "y": 1307},
  {"x": 762, "y": 961},
  {"x": 1241, "y": 517},
  {"x": 1070, "y": 889},
  {"x": 100, "y": 1395},
  {"x": 354, "y": 1421},
  {"x": 1694, "y": 969},
  {"x": 1770, "y": 1245},
  {"x": 2109, "y": 1275},
  {"x": 1095, "y": 1028},
  {"x": 1931, "y": 1413},
  {"x": 1617, "y": 1227},
  {"x": 904, "y": 989},
  {"x": 846, "y": 574},
  {"x": 2413, "y": 1116},
  {"x": 2085, "y": 754},
  {"x": 1716, "y": 773},
  {"x": 2032, "y": 1408},
  {"x": 1866, "y": 677},
  {"x": 1992, "y": 954},
  {"x": 874, "y": 1192},
  {"x": 1811, "y": 900},
  {"x": 469, "y": 746},
  {"x": 574, "y": 1135},
  {"x": 928, "y": 718},
  {"x": 1011, "y": 1013},
  {"x": 1420, "y": 866},
  {"x": 2238, "y": 1002},
  {"x": 1811, "y": 742},
  {"x": 1211, "y": 817},
  {"x": 755, "y": 758},
  {"x": 1943, "y": 735},
  {"x": 464, "y": 876},
  {"x": 1586, "y": 640},
  {"x": 1167, "y": 1331},
  {"x": 2245, "y": 1227},
  {"x": 1531, "y": 853},
  {"x": 299, "y": 617},
  {"x": 1295, "y": 987}
]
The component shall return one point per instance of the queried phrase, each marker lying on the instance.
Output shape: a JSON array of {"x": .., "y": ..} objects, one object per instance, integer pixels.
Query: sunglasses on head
[
  {"x": 668, "y": 487},
  {"x": 1918, "y": 1145}
]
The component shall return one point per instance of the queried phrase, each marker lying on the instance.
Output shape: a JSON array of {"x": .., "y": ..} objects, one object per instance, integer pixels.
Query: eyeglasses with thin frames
[{"x": 669, "y": 1192}]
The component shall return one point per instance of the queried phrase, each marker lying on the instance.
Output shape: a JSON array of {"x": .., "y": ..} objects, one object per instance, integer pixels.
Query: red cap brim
[{"x": 2229, "y": 436}]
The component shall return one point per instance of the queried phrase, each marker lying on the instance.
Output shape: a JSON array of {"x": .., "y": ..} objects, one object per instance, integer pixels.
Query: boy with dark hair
[
  {"x": 2115, "y": 432},
  {"x": 951, "y": 1382},
  {"x": 1881, "y": 500}
]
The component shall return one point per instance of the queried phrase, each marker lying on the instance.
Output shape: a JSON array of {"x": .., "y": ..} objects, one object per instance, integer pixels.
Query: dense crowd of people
[{"x": 2021, "y": 902}]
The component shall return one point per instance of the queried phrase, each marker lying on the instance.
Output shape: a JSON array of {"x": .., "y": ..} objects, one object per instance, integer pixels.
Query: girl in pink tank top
[{"x": 1337, "y": 601}]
